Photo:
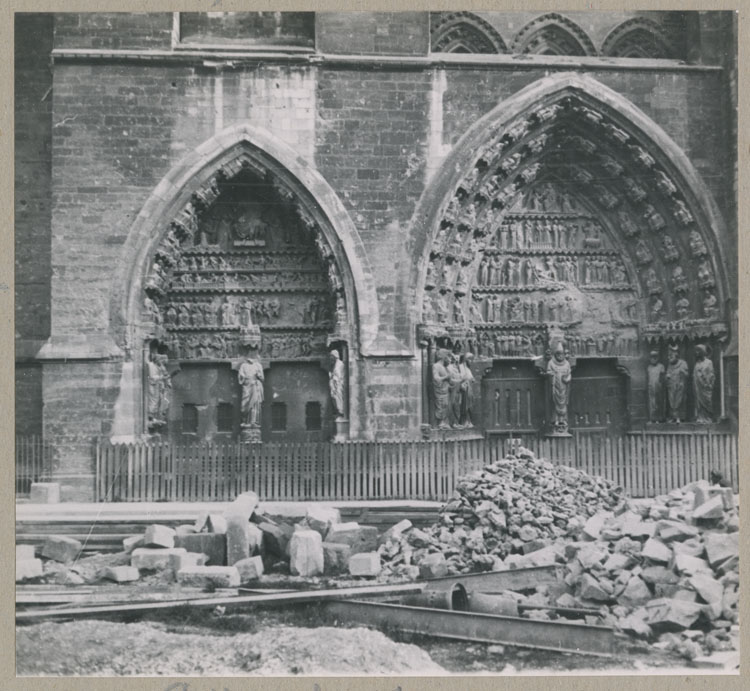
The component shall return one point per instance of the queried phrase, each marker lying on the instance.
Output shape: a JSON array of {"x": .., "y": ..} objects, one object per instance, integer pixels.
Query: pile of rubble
[
  {"x": 220, "y": 550},
  {"x": 667, "y": 568}
]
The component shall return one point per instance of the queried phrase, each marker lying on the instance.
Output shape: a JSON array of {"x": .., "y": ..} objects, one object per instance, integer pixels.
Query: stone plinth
[{"x": 250, "y": 434}]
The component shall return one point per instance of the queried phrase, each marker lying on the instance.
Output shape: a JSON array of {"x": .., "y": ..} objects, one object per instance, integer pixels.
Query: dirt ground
[{"x": 293, "y": 641}]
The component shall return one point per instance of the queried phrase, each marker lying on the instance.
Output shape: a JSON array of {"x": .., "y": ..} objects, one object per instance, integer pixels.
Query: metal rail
[
  {"x": 486, "y": 628},
  {"x": 512, "y": 579}
]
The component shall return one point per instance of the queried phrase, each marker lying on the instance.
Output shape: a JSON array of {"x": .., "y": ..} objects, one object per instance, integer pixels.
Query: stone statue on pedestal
[
  {"x": 558, "y": 369},
  {"x": 336, "y": 384},
  {"x": 441, "y": 389},
  {"x": 250, "y": 377},
  {"x": 703, "y": 385},
  {"x": 655, "y": 373},
  {"x": 676, "y": 377},
  {"x": 159, "y": 391}
]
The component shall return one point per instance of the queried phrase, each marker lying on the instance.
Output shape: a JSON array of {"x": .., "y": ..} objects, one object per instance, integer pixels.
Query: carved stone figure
[
  {"x": 682, "y": 307},
  {"x": 465, "y": 392},
  {"x": 251, "y": 379},
  {"x": 484, "y": 267},
  {"x": 655, "y": 380},
  {"x": 657, "y": 308},
  {"x": 705, "y": 275},
  {"x": 676, "y": 378},
  {"x": 336, "y": 384},
  {"x": 703, "y": 385},
  {"x": 679, "y": 280},
  {"x": 682, "y": 213},
  {"x": 654, "y": 218},
  {"x": 642, "y": 156},
  {"x": 710, "y": 306},
  {"x": 671, "y": 253},
  {"x": 454, "y": 379},
  {"x": 159, "y": 391},
  {"x": 665, "y": 185},
  {"x": 697, "y": 246},
  {"x": 441, "y": 389},
  {"x": 558, "y": 369},
  {"x": 442, "y": 309},
  {"x": 475, "y": 316},
  {"x": 652, "y": 282}
]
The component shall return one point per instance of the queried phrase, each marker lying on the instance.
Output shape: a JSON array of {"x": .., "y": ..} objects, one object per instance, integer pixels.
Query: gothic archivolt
[{"x": 568, "y": 221}]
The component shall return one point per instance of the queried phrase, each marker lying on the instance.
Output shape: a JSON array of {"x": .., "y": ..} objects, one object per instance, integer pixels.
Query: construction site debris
[
  {"x": 61, "y": 548},
  {"x": 364, "y": 564},
  {"x": 306, "y": 553},
  {"x": 250, "y": 569},
  {"x": 203, "y": 576},
  {"x": 154, "y": 558}
]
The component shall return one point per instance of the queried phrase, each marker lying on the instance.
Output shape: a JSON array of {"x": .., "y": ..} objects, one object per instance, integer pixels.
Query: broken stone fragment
[
  {"x": 156, "y": 558},
  {"x": 61, "y": 548},
  {"x": 395, "y": 531},
  {"x": 636, "y": 593},
  {"x": 321, "y": 518},
  {"x": 28, "y": 568},
  {"x": 658, "y": 574},
  {"x": 184, "y": 530},
  {"x": 361, "y": 538},
  {"x": 618, "y": 562},
  {"x": 710, "y": 590},
  {"x": 25, "y": 552},
  {"x": 184, "y": 560},
  {"x": 721, "y": 546},
  {"x": 365, "y": 564},
  {"x": 335, "y": 558},
  {"x": 213, "y": 545},
  {"x": 656, "y": 550},
  {"x": 306, "y": 553},
  {"x": 130, "y": 543},
  {"x": 250, "y": 569},
  {"x": 237, "y": 538},
  {"x": 672, "y": 615},
  {"x": 713, "y": 508},
  {"x": 210, "y": 523},
  {"x": 589, "y": 588},
  {"x": 159, "y": 536},
  {"x": 433, "y": 566},
  {"x": 120, "y": 574},
  {"x": 242, "y": 507},
  {"x": 202, "y": 576},
  {"x": 685, "y": 564},
  {"x": 591, "y": 556}
]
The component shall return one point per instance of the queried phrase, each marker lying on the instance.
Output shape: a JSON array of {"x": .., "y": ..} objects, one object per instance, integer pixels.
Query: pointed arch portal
[
  {"x": 242, "y": 246},
  {"x": 566, "y": 214}
]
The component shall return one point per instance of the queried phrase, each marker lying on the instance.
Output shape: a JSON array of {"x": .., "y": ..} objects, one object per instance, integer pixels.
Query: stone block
[
  {"x": 25, "y": 552},
  {"x": 364, "y": 564},
  {"x": 594, "y": 525},
  {"x": 120, "y": 574},
  {"x": 306, "y": 553},
  {"x": 157, "y": 558},
  {"x": 395, "y": 531},
  {"x": 589, "y": 588},
  {"x": 184, "y": 560},
  {"x": 668, "y": 614},
  {"x": 335, "y": 558},
  {"x": 130, "y": 543},
  {"x": 238, "y": 539},
  {"x": 275, "y": 540},
  {"x": 591, "y": 555},
  {"x": 713, "y": 508},
  {"x": 667, "y": 531},
  {"x": 692, "y": 547},
  {"x": 184, "y": 530},
  {"x": 419, "y": 538},
  {"x": 61, "y": 548},
  {"x": 361, "y": 538},
  {"x": 159, "y": 536},
  {"x": 634, "y": 526},
  {"x": 242, "y": 507},
  {"x": 685, "y": 564},
  {"x": 255, "y": 539},
  {"x": 726, "y": 494},
  {"x": 709, "y": 589},
  {"x": 321, "y": 518},
  {"x": 250, "y": 569},
  {"x": 656, "y": 550},
  {"x": 44, "y": 493},
  {"x": 636, "y": 593},
  {"x": 213, "y": 545},
  {"x": 528, "y": 533},
  {"x": 202, "y": 576},
  {"x": 618, "y": 562},
  {"x": 210, "y": 523},
  {"x": 721, "y": 546},
  {"x": 28, "y": 568},
  {"x": 433, "y": 566}
]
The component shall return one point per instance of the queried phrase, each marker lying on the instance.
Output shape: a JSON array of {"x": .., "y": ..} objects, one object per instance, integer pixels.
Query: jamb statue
[
  {"x": 336, "y": 384},
  {"x": 677, "y": 376},
  {"x": 251, "y": 379},
  {"x": 559, "y": 371},
  {"x": 703, "y": 385},
  {"x": 655, "y": 373}
]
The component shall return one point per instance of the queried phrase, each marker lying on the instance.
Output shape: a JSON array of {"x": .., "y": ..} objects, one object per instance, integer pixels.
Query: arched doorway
[
  {"x": 572, "y": 218},
  {"x": 242, "y": 246}
]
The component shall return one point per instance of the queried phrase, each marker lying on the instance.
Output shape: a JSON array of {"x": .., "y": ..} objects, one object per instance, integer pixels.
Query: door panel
[
  {"x": 513, "y": 397},
  {"x": 598, "y": 396}
]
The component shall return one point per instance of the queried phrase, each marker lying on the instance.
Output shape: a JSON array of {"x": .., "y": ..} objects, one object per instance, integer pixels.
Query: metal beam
[
  {"x": 512, "y": 579},
  {"x": 469, "y": 626}
]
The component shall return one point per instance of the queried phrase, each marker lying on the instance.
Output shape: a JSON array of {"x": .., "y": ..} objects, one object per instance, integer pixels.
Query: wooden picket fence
[
  {"x": 33, "y": 463},
  {"x": 644, "y": 464}
]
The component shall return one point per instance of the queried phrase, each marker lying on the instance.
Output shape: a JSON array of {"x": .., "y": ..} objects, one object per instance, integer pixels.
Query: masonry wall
[{"x": 110, "y": 130}]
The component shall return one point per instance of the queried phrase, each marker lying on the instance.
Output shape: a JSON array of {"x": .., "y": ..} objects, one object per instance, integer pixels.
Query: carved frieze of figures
[
  {"x": 679, "y": 280},
  {"x": 664, "y": 183},
  {"x": 682, "y": 213},
  {"x": 152, "y": 311},
  {"x": 475, "y": 314},
  {"x": 458, "y": 311},
  {"x": 655, "y": 379},
  {"x": 642, "y": 156},
  {"x": 697, "y": 246},
  {"x": 489, "y": 187},
  {"x": 705, "y": 275},
  {"x": 654, "y": 219},
  {"x": 634, "y": 191},
  {"x": 710, "y": 305},
  {"x": 669, "y": 249}
]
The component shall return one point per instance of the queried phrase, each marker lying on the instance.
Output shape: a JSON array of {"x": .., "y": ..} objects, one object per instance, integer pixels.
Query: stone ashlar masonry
[{"x": 107, "y": 133}]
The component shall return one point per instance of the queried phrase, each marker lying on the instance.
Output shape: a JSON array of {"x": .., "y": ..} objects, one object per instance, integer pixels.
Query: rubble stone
[
  {"x": 250, "y": 569},
  {"x": 709, "y": 589},
  {"x": 154, "y": 558},
  {"x": 721, "y": 546},
  {"x": 242, "y": 507},
  {"x": 675, "y": 530},
  {"x": 591, "y": 589},
  {"x": 658, "y": 574},
  {"x": 213, "y": 545},
  {"x": 686, "y": 564},
  {"x": 636, "y": 593},
  {"x": 656, "y": 550},
  {"x": 395, "y": 531},
  {"x": 25, "y": 552},
  {"x": 202, "y": 576},
  {"x": 184, "y": 530},
  {"x": 159, "y": 536},
  {"x": 130, "y": 543},
  {"x": 120, "y": 574},
  {"x": 306, "y": 553},
  {"x": 713, "y": 508},
  {"x": 275, "y": 540},
  {"x": 364, "y": 564},
  {"x": 359, "y": 538},
  {"x": 593, "y": 526},
  {"x": 211, "y": 523},
  {"x": 433, "y": 566},
  {"x": 672, "y": 615},
  {"x": 185, "y": 560},
  {"x": 28, "y": 568},
  {"x": 61, "y": 548},
  {"x": 321, "y": 518}
]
